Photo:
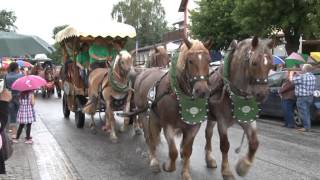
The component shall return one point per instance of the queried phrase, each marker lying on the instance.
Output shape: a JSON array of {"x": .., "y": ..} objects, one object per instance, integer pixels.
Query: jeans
[
  {"x": 13, "y": 109},
  {"x": 287, "y": 106},
  {"x": 304, "y": 104}
]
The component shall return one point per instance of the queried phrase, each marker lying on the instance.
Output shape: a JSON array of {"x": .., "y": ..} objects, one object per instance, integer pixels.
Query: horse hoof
[
  {"x": 166, "y": 167},
  {"x": 186, "y": 176},
  {"x": 242, "y": 167},
  {"x": 155, "y": 167},
  {"x": 123, "y": 129},
  {"x": 211, "y": 163},
  {"x": 228, "y": 177},
  {"x": 94, "y": 131},
  {"x": 113, "y": 138}
]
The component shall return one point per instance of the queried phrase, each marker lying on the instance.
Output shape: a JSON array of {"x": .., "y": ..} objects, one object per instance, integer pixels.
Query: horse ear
[
  {"x": 233, "y": 44},
  {"x": 255, "y": 42},
  {"x": 271, "y": 43},
  {"x": 208, "y": 44},
  {"x": 187, "y": 42},
  {"x": 155, "y": 48}
]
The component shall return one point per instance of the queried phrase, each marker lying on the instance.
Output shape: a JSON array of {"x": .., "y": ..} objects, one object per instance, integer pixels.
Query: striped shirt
[{"x": 305, "y": 84}]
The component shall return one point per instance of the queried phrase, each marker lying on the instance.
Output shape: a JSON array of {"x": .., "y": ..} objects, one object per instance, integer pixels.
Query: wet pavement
[
  {"x": 61, "y": 151},
  {"x": 44, "y": 159}
]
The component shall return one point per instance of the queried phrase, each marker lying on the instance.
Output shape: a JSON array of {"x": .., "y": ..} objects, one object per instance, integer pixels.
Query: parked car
[{"x": 272, "y": 105}]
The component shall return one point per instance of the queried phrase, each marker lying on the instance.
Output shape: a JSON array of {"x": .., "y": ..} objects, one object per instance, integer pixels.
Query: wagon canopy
[{"x": 88, "y": 30}]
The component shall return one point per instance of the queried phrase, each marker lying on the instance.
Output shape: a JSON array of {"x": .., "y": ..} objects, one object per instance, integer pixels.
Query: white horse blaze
[
  {"x": 200, "y": 56},
  {"x": 265, "y": 61}
]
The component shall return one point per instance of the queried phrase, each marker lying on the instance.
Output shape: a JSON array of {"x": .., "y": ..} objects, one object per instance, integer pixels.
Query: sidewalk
[{"x": 43, "y": 160}]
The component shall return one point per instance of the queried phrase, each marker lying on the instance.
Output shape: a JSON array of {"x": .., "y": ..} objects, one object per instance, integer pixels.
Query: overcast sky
[{"x": 39, "y": 17}]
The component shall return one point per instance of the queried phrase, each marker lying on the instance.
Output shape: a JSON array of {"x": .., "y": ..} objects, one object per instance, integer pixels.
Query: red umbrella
[{"x": 27, "y": 83}]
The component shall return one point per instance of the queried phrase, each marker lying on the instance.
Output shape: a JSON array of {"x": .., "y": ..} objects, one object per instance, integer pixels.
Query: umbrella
[
  {"x": 27, "y": 83},
  {"x": 315, "y": 56},
  {"x": 13, "y": 44},
  {"x": 277, "y": 60},
  {"x": 24, "y": 63},
  {"x": 295, "y": 59}
]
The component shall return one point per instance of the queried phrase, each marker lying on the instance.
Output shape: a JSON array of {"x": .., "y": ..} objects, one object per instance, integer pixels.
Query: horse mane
[
  {"x": 123, "y": 54},
  {"x": 184, "y": 50}
]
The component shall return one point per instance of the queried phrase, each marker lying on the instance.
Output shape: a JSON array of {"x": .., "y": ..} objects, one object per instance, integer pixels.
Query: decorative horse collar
[
  {"x": 192, "y": 110},
  {"x": 245, "y": 108},
  {"x": 116, "y": 86}
]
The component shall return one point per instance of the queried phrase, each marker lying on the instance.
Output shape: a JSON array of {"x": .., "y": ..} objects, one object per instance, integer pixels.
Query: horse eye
[{"x": 190, "y": 61}]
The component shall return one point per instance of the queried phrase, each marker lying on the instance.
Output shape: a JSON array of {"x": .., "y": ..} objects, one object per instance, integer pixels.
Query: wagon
[{"x": 75, "y": 93}]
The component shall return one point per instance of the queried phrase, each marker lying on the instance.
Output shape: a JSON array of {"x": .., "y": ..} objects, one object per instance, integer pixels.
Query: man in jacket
[
  {"x": 5, "y": 97},
  {"x": 288, "y": 100},
  {"x": 14, "y": 103}
]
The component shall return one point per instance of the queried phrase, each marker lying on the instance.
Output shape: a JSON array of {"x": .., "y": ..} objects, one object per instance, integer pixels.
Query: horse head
[
  {"x": 250, "y": 65},
  {"x": 48, "y": 72},
  {"x": 124, "y": 64},
  {"x": 193, "y": 68},
  {"x": 160, "y": 57}
]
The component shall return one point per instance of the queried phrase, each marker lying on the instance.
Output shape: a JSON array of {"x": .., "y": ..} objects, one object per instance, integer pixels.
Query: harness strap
[{"x": 152, "y": 104}]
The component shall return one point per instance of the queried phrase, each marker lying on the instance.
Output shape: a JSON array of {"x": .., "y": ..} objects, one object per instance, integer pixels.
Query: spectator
[
  {"x": 5, "y": 97},
  {"x": 305, "y": 83},
  {"x": 288, "y": 100},
  {"x": 26, "y": 115},
  {"x": 14, "y": 103}
]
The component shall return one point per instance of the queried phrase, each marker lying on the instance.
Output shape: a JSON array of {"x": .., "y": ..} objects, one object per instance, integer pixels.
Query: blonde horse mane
[{"x": 197, "y": 46}]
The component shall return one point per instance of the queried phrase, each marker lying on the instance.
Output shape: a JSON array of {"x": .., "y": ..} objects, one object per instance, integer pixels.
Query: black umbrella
[{"x": 13, "y": 44}]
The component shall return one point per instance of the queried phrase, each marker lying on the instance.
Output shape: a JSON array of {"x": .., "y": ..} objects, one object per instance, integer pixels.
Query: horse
[
  {"x": 56, "y": 79},
  {"x": 48, "y": 75},
  {"x": 158, "y": 103},
  {"x": 159, "y": 58},
  {"x": 114, "y": 86},
  {"x": 243, "y": 75}
]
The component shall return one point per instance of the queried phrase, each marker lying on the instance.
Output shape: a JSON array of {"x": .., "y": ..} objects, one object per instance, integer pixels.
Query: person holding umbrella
[
  {"x": 26, "y": 113},
  {"x": 9, "y": 79}
]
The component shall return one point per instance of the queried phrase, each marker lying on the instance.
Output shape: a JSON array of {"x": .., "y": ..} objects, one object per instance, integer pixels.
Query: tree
[
  {"x": 293, "y": 17},
  {"x": 57, "y": 55},
  {"x": 7, "y": 20},
  {"x": 214, "y": 19},
  {"x": 227, "y": 19},
  {"x": 147, "y": 17}
]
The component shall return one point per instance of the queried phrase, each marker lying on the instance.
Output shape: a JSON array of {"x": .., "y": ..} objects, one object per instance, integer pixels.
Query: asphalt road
[{"x": 284, "y": 154}]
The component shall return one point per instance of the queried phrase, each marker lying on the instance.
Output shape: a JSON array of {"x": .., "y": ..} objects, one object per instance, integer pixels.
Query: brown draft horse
[
  {"x": 193, "y": 62},
  {"x": 250, "y": 62},
  {"x": 159, "y": 58},
  {"x": 101, "y": 84}
]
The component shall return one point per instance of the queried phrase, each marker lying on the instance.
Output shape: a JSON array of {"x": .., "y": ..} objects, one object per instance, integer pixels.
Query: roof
[
  {"x": 183, "y": 5},
  {"x": 90, "y": 29}
]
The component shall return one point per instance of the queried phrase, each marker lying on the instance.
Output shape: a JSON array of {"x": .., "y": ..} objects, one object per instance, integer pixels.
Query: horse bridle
[
  {"x": 193, "y": 79},
  {"x": 254, "y": 81}
]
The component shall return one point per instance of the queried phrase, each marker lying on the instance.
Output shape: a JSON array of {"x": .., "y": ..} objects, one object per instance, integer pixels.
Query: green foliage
[
  {"x": 147, "y": 17},
  {"x": 57, "y": 55},
  {"x": 7, "y": 20},
  {"x": 228, "y": 19},
  {"x": 214, "y": 19}
]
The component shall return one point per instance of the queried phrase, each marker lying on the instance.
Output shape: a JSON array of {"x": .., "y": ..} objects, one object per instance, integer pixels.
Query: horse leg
[
  {"x": 170, "y": 165},
  {"x": 137, "y": 126},
  {"x": 211, "y": 163},
  {"x": 224, "y": 148},
  {"x": 93, "y": 125},
  {"x": 112, "y": 123},
  {"x": 151, "y": 131},
  {"x": 188, "y": 138},
  {"x": 125, "y": 125},
  {"x": 245, "y": 163}
]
